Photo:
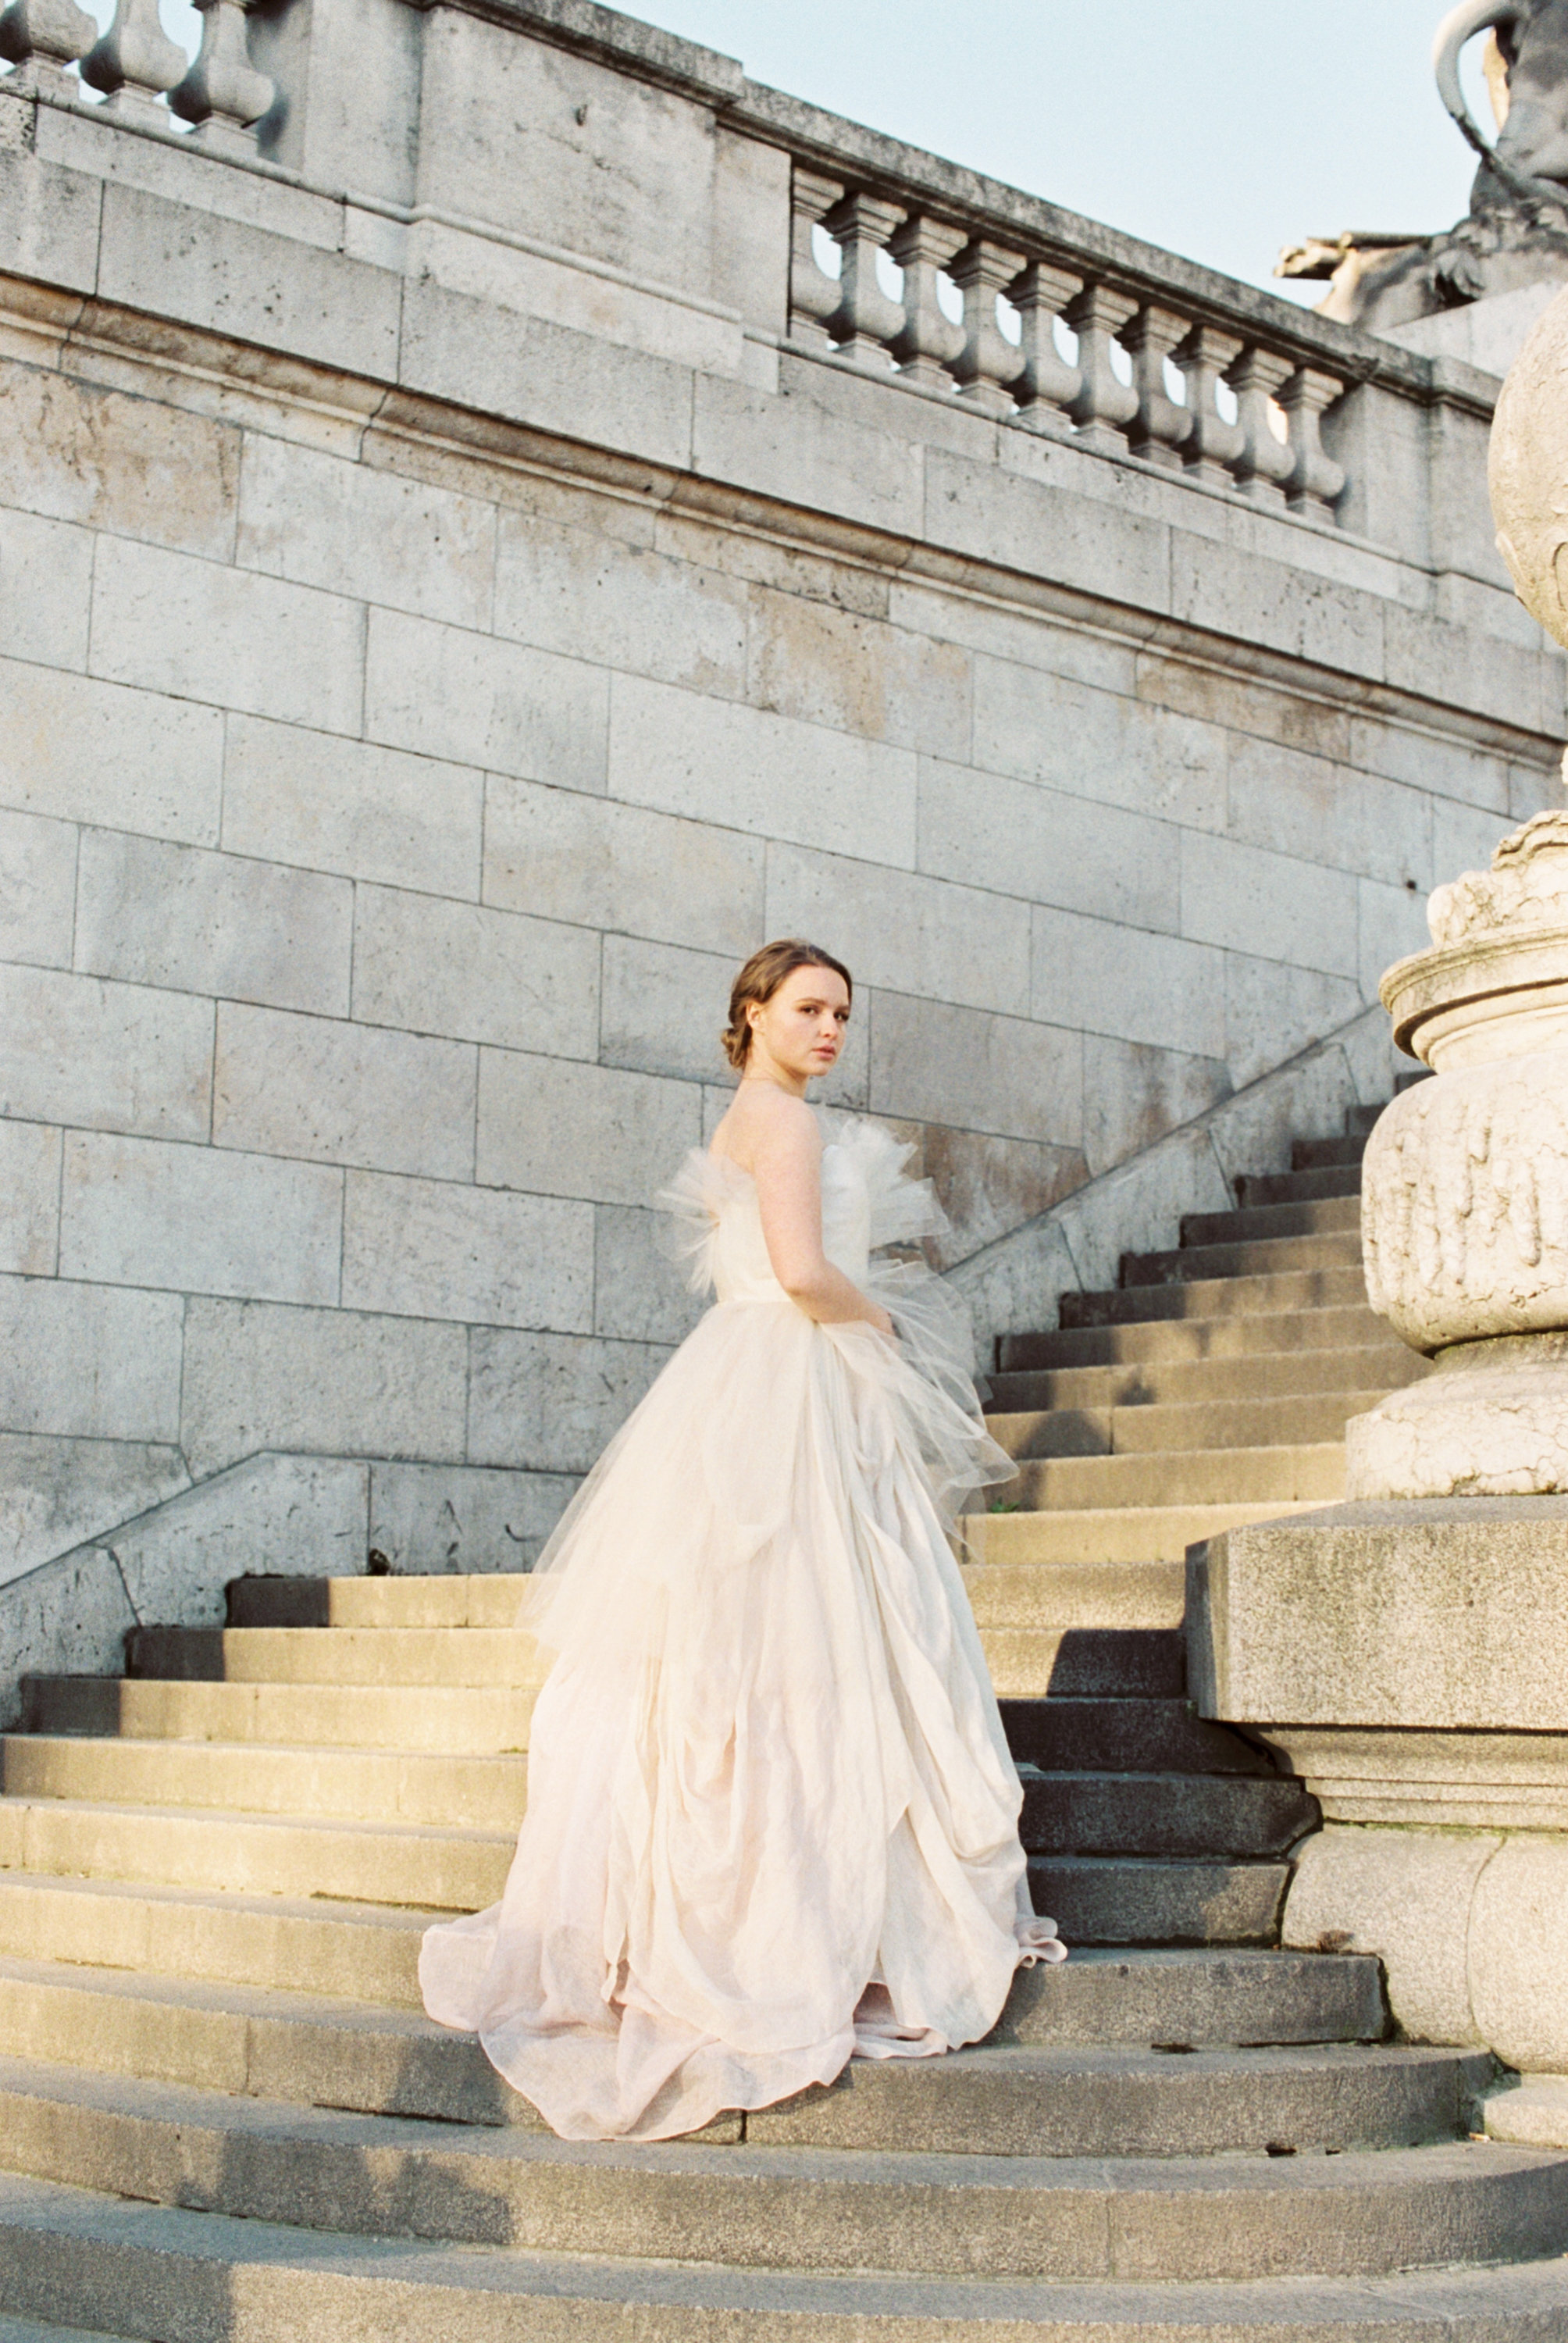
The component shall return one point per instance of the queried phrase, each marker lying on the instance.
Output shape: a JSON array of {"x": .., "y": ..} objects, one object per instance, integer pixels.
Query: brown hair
[{"x": 760, "y": 979}]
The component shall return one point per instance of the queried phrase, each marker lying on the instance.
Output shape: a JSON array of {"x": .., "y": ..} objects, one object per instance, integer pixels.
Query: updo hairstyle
[{"x": 760, "y": 979}]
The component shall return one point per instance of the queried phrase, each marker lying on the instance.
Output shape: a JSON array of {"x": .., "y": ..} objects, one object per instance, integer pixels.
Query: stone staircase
[{"x": 224, "y": 2115}]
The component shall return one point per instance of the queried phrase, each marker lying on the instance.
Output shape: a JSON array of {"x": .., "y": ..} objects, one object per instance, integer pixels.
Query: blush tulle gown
[{"x": 772, "y": 1821}]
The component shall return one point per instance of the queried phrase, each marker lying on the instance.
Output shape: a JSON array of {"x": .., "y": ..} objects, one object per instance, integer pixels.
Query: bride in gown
[{"x": 772, "y": 1820}]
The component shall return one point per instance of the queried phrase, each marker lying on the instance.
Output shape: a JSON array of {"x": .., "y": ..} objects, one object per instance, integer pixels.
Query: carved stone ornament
[{"x": 1464, "y": 1197}]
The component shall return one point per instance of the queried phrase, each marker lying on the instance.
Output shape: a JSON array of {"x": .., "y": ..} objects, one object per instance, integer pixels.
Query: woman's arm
[{"x": 787, "y": 1165}]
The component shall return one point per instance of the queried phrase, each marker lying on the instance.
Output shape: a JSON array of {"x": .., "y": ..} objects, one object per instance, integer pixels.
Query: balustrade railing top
[{"x": 948, "y": 283}]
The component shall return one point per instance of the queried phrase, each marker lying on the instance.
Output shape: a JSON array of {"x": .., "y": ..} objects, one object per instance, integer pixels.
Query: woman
[{"x": 772, "y": 1820}]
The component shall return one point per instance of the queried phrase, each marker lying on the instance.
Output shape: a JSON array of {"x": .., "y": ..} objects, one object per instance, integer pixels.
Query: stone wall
[{"x": 452, "y": 610}]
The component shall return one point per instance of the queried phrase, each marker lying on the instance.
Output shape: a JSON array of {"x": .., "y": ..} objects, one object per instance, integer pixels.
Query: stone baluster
[
  {"x": 1102, "y": 402},
  {"x": 988, "y": 364},
  {"x": 1265, "y": 462},
  {"x": 134, "y": 63},
  {"x": 1047, "y": 385},
  {"x": 41, "y": 39},
  {"x": 814, "y": 295},
  {"x": 1213, "y": 445},
  {"x": 928, "y": 338},
  {"x": 1314, "y": 481},
  {"x": 223, "y": 94},
  {"x": 865, "y": 322},
  {"x": 1159, "y": 426}
]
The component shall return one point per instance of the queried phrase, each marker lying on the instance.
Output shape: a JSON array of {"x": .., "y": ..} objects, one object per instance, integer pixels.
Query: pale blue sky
[{"x": 1222, "y": 128}]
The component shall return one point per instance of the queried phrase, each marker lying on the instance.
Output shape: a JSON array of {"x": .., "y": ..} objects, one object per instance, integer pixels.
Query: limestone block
[
  {"x": 463, "y": 1517},
  {"x": 1113, "y": 1214},
  {"x": 79, "y": 451},
  {"x": 199, "y": 1220},
  {"x": 1465, "y": 1203},
  {"x": 664, "y": 1009},
  {"x": 581, "y": 592},
  {"x": 1137, "y": 986},
  {"x": 1529, "y": 2112},
  {"x": 1464, "y": 838},
  {"x": 1272, "y": 906},
  {"x": 277, "y": 291},
  {"x": 435, "y": 967},
  {"x": 341, "y": 1093},
  {"x": 799, "y": 449},
  {"x": 1244, "y": 706},
  {"x": 68, "y": 1614},
  {"x": 934, "y": 1063},
  {"x": 204, "y": 633},
  {"x": 978, "y": 507},
  {"x": 989, "y": 830},
  {"x": 1254, "y": 1131},
  {"x": 60, "y": 1492},
  {"x": 445, "y": 693},
  {"x": 368, "y": 533},
  {"x": 551, "y": 1402},
  {"x": 1324, "y": 812},
  {"x": 904, "y": 933},
  {"x": 89, "y": 1361},
  {"x": 371, "y": 812},
  {"x": 1008, "y": 1284},
  {"x": 1241, "y": 594},
  {"x": 1519, "y": 1952},
  {"x": 597, "y": 864},
  {"x": 1035, "y": 639},
  {"x": 810, "y": 659},
  {"x": 328, "y": 1382},
  {"x": 353, "y": 79},
  {"x": 107, "y": 1057},
  {"x": 640, "y": 1291},
  {"x": 288, "y": 1516},
  {"x": 196, "y": 922},
  {"x": 1462, "y": 668},
  {"x": 755, "y": 772},
  {"x": 1406, "y": 1896},
  {"x": 433, "y": 1249},
  {"x": 988, "y": 1186},
  {"x": 46, "y": 588},
  {"x": 555, "y": 1127},
  {"x": 29, "y": 1199},
  {"x": 1271, "y": 1011},
  {"x": 1133, "y": 1095},
  {"x": 1489, "y": 1423},
  {"x": 1390, "y": 924},
  {"x": 458, "y": 347},
  {"x": 1450, "y": 768},
  {"x": 48, "y": 221},
  {"x": 1047, "y": 728},
  {"x": 37, "y": 889},
  {"x": 1385, "y": 1615},
  {"x": 89, "y": 752}
]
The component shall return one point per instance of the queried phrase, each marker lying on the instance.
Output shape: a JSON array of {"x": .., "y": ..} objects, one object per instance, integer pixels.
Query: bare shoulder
[{"x": 764, "y": 1125}]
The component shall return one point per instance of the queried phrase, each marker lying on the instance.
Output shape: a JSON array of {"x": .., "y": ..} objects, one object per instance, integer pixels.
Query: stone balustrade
[
  {"x": 1164, "y": 403},
  {"x": 143, "y": 75}
]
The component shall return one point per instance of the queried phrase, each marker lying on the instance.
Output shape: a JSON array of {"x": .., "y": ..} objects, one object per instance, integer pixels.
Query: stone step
[
  {"x": 454, "y": 1720},
  {"x": 1191, "y": 1264},
  {"x": 1137, "y": 1900},
  {"x": 1077, "y": 1594},
  {"x": 473, "y": 1599},
  {"x": 472, "y": 1793},
  {"x": 1361, "y": 1120},
  {"x": 33, "y": 2330},
  {"x": 1345, "y": 1326},
  {"x": 1256, "y": 1375},
  {"x": 187, "y": 2276},
  {"x": 1305, "y": 1216},
  {"x": 1163, "y": 1815},
  {"x": 1313, "y": 1472},
  {"x": 1307, "y": 1418},
  {"x": 1249, "y": 1296},
  {"x": 1116, "y": 1663},
  {"x": 1110, "y": 1534},
  {"x": 306, "y": 1944},
  {"x": 1254, "y": 1188},
  {"x": 326, "y": 2051},
  {"x": 1066, "y": 1735},
  {"x": 1319, "y": 1154},
  {"x": 811, "y": 2188},
  {"x": 439, "y": 1869},
  {"x": 490, "y": 1656}
]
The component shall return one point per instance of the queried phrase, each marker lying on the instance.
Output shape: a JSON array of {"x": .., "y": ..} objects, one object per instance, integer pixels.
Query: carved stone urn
[{"x": 1465, "y": 1191}]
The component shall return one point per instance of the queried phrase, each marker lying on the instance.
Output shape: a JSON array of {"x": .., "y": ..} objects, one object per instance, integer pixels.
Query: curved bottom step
[{"x": 165, "y": 2276}]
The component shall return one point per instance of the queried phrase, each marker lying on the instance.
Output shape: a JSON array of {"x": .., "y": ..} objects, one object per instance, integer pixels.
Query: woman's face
[{"x": 801, "y": 1029}]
